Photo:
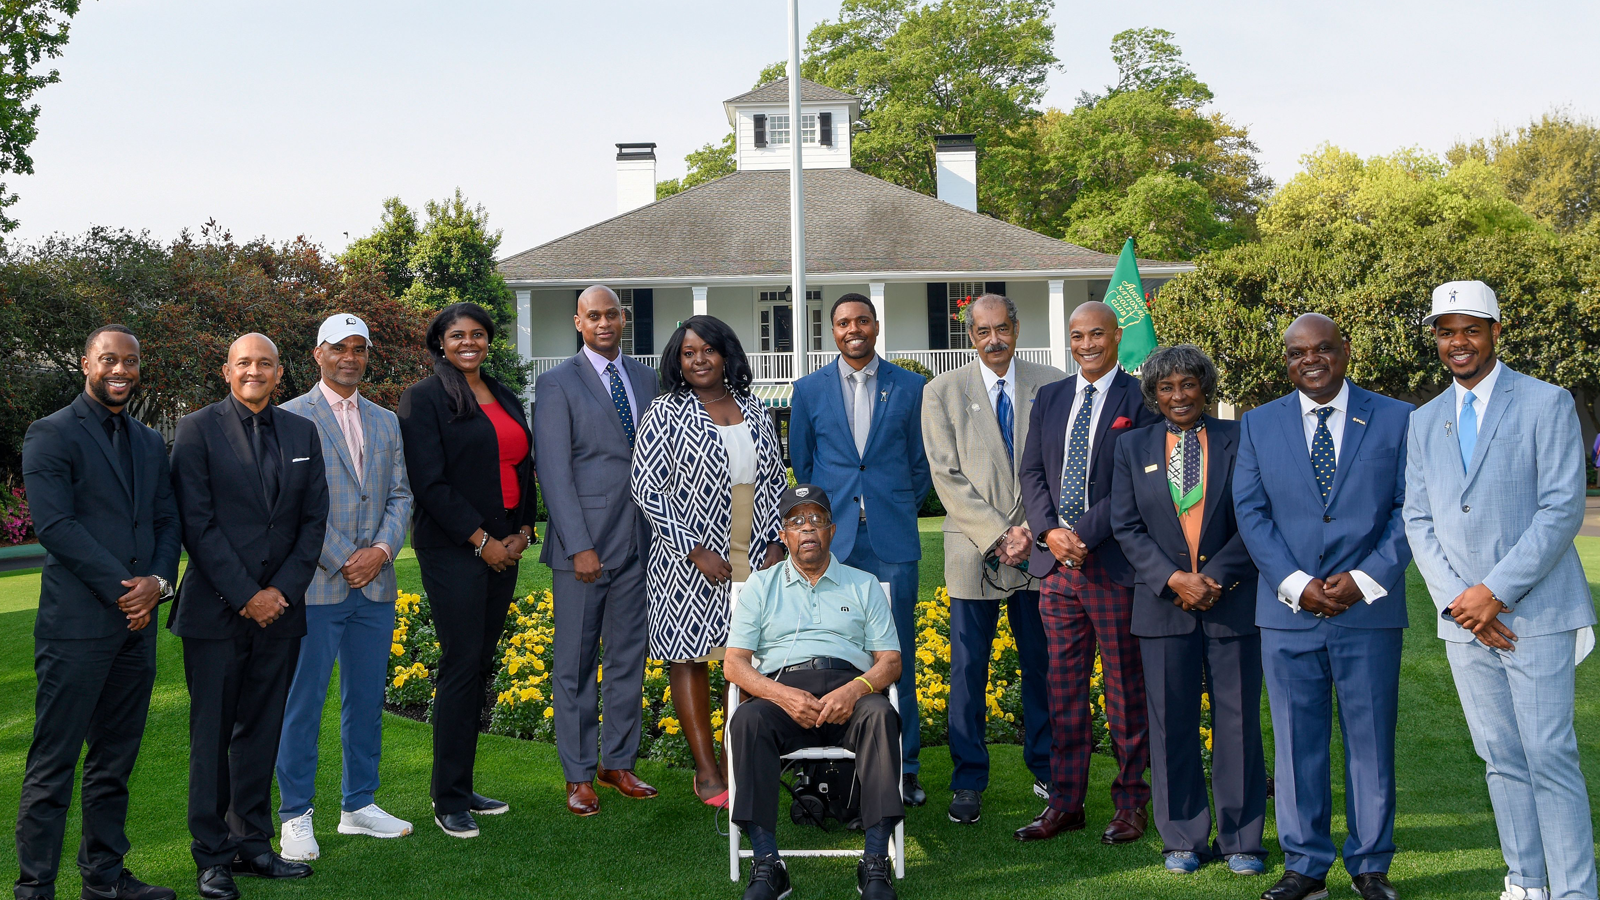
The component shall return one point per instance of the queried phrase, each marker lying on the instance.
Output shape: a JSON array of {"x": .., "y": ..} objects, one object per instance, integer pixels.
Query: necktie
[
  {"x": 1002, "y": 411},
  {"x": 117, "y": 426},
  {"x": 1075, "y": 472},
  {"x": 861, "y": 417},
  {"x": 266, "y": 459},
  {"x": 346, "y": 413},
  {"x": 1184, "y": 468},
  {"x": 619, "y": 399},
  {"x": 1467, "y": 429},
  {"x": 1324, "y": 462}
]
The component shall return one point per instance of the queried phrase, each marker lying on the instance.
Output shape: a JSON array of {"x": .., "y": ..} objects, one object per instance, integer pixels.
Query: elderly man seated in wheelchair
[{"x": 812, "y": 644}]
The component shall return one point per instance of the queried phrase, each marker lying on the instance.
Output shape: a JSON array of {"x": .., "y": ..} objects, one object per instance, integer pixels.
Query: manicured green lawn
[{"x": 669, "y": 847}]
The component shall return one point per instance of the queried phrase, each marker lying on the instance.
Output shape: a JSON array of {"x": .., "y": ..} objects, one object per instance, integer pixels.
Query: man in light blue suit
[
  {"x": 855, "y": 430},
  {"x": 350, "y": 603},
  {"x": 1494, "y": 497},
  {"x": 1318, "y": 492}
]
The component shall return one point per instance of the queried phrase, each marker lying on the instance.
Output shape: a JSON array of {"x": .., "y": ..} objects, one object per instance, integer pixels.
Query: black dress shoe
[
  {"x": 216, "y": 883},
  {"x": 911, "y": 791},
  {"x": 875, "y": 878},
  {"x": 270, "y": 865},
  {"x": 127, "y": 887},
  {"x": 769, "y": 879},
  {"x": 1294, "y": 886},
  {"x": 1374, "y": 886},
  {"x": 487, "y": 806},
  {"x": 966, "y": 807}
]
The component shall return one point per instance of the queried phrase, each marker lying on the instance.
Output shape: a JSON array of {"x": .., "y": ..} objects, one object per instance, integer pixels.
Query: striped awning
[{"x": 773, "y": 396}]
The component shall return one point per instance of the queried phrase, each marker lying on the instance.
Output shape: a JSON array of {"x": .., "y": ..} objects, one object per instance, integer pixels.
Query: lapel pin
[
  {"x": 1447, "y": 427},
  {"x": 883, "y": 396},
  {"x": 1358, "y": 421},
  {"x": 1151, "y": 468}
]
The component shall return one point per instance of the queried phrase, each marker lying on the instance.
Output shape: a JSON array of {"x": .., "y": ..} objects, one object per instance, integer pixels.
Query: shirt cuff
[
  {"x": 387, "y": 550},
  {"x": 1370, "y": 590},
  {"x": 1292, "y": 587}
]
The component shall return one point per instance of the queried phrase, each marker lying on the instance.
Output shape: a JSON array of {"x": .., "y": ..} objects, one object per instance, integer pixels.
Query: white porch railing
[{"x": 778, "y": 368}]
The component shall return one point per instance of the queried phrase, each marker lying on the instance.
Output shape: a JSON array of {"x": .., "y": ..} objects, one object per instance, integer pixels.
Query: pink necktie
[{"x": 351, "y": 426}]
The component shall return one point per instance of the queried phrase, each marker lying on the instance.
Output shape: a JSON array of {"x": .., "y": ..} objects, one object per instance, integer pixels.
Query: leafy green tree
[
  {"x": 30, "y": 32},
  {"x": 390, "y": 247},
  {"x": 1550, "y": 167},
  {"x": 1148, "y": 60},
  {"x": 709, "y": 163}
]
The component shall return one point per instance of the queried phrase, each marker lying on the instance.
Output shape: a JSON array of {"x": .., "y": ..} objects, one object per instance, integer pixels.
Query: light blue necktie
[
  {"x": 1003, "y": 412},
  {"x": 1467, "y": 429}
]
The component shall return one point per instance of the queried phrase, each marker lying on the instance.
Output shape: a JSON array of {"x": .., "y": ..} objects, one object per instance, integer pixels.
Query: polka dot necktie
[
  {"x": 1323, "y": 461},
  {"x": 1075, "y": 471},
  {"x": 619, "y": 398}
]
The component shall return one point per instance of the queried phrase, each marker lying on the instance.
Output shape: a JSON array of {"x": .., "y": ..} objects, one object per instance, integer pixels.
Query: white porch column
[
  {"x": 700, "y": 300},
  {"x": 525, "y": 328},
  {"x": 1059, "y": 351},
  {"x": 876, "y": 289}
]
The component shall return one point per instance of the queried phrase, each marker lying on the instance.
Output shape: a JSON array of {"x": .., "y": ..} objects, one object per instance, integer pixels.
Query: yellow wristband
[{"x": 863, "y": 680}]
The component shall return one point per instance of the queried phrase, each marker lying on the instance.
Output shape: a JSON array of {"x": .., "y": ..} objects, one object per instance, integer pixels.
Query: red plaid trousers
[{"x": 1080, "y": 608}]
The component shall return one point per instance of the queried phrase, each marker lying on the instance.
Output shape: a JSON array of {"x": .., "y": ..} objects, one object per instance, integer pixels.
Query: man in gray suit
[
  {"x": 1494, "y": 497},
  {"x": 974, "y": 426},
  {"x": 584, "y": 418},
  {"x": 350, "y": 603}
]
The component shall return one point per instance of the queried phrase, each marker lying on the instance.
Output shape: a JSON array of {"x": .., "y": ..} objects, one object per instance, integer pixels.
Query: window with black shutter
[
  {"x": 994, "y": 287},
  {"x": 644, "y": 321},
  {"x": 761, "y": 130},
  {"x": 938, "y": 315},
  {"x": 825, "y": 122}
]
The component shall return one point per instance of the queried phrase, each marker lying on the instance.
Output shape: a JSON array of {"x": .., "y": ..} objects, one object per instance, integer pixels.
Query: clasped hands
[
  {"x": 144, "y": 594},
  {"x": 363, "y": 566},
  {"x": 266, "y": 606},
  {"x": 1477, "y": 610},
  {"x": 834, "y": 708},
  {"x": 1196, "y": 592},
  {"x": 498, "y": 555},
  {"x": 1066, "y": 546},
  {"x": 1331, "y": 596},
  {"x": 1015, "y": 546}
]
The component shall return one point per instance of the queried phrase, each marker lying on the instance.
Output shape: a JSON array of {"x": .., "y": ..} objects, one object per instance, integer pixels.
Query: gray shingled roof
[
  {"x": 739, "y": 226},
  {"x": 778, "y": 92}
]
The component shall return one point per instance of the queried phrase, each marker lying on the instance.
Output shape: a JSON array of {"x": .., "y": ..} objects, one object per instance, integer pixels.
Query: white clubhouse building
[{"x": 722, "y": 248}]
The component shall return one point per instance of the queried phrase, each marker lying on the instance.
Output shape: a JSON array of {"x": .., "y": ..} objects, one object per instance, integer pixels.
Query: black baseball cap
[{"x": 801, "y": 494}]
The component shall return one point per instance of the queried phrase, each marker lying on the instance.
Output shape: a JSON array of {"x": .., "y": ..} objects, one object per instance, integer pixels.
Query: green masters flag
[{"x": 1125, "y": 294}]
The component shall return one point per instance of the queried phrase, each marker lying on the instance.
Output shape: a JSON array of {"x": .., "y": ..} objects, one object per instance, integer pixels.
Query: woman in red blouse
[{"x": 469, "y": 455}]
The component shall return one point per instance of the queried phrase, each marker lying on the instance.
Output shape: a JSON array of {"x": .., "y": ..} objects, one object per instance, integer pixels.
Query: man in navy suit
[
  {"x": 102, "y": 504},
  {"x": 855, "y": 430},
  {"x": 1319, "y": 490},
  {"x": 1087, "y": 594}
]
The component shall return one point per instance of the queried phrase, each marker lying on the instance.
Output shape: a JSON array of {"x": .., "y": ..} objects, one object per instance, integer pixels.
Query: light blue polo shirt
[{"x": 784, "y": 620}]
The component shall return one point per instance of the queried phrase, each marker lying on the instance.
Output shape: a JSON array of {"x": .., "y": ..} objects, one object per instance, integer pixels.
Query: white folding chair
[{"x": 897, "y": 846}]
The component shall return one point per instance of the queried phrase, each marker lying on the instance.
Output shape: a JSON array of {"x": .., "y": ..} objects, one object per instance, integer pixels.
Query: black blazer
[
  {"x": 1147, "y": 528},
  {"x": 99, "y": 530},
  {"x": 454, "y": 467},
  {"x": 236, "y": 545},
  {"x": 1042, "y": 457}
]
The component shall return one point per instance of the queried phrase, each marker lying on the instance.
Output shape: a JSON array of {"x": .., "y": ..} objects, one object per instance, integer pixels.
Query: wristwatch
[{"x": 164, "y": 586}]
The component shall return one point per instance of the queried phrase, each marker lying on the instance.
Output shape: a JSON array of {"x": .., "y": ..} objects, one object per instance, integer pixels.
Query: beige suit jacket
[{"x": 976, "y": 482}]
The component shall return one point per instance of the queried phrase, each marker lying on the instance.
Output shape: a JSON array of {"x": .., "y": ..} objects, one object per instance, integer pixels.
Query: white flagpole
[{"x": 800, "y": 337}]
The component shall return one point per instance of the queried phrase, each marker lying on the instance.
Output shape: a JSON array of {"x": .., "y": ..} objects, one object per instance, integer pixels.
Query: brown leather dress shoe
[
  {"x": 1050, "y": 823},
  {"x": 1127, "y": 825},
  {"x": 626, "y": 783},
  {"x": 581, "y": 800}
]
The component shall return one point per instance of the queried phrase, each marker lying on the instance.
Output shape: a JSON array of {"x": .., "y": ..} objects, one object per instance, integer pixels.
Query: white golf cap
[
  {"x": 339, "y": 326},
  {"x": 1469, "y": 298}
]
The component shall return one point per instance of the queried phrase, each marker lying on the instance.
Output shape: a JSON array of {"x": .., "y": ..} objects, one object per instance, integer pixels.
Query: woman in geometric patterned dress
[{"x": 707, "y": 472}]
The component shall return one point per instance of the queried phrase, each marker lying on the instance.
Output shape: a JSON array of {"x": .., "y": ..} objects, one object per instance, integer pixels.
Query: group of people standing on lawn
[{"x": 1201, "y": 558}]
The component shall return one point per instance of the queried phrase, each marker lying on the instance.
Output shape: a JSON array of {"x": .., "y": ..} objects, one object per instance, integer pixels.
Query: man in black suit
[
  {"x": 253, "y": 499},
  {"x": 101, "y": 499}
]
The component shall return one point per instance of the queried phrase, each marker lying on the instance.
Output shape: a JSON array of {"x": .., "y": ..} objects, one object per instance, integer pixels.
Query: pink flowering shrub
[{"x": 15, "y": 523}]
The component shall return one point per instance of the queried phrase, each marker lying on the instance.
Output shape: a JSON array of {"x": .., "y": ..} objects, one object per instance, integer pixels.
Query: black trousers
[
  {"x": 761, "y": 733},
  {"x": 97, "y": 691},
  {"x": 237, "y": 689},
  {"x": 469, "y": 602},
  {"x": 1231, "y": 666}
]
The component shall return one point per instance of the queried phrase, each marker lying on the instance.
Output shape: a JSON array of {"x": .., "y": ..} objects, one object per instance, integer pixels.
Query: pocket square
[
  {"x": 300, "y": 459},
  {"x": 1122, "y": 422}
]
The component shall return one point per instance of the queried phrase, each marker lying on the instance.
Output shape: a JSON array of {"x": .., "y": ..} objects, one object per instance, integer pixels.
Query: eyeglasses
[{"x": 820, "y": 520}]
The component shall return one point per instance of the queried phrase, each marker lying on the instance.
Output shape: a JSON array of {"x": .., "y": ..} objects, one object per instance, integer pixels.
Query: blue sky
[{"x": 288, "y": 117}]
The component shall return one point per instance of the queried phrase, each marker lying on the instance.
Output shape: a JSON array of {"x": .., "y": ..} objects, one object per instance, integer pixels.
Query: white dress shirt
[
  {"x": 600, "y": 362},
  {"x": 1100, "y": 388},
  {"x": 741, "y": 449},
  {"x": 1480, "y": 394},
  {"x": 347, "y": 412},
  {"x": 1295, "y": 584},
  {"x": 991, "y": 383}
]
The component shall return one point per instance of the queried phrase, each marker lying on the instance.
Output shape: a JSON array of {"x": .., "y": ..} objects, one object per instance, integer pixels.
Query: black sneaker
[
  {"x": 966, "y": 807},
  {"x": 769, "y": 879},
  {"x": 127, "y": 887},
  {"x": 1041, "y": 790},
  {"x": 911, "y": 791},
  {"x": 874, "y": 878},
  {"x": 487, "y": 806},
  {"x": 457, "y": 824}
]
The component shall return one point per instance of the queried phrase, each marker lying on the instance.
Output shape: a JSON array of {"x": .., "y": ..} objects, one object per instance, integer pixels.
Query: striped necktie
[{"x": 1003, "y": 412}]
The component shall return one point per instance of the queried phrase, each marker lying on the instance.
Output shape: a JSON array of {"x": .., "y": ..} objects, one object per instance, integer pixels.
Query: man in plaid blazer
[{"x": 350, "y": 604}]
